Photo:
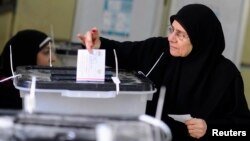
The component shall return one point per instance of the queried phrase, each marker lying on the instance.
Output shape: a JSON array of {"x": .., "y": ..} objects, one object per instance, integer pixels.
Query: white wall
[{"x": 144, "y": 20}]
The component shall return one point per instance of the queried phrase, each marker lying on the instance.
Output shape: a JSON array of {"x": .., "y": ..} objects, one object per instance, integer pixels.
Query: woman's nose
[{"x": 171, "y": 37}]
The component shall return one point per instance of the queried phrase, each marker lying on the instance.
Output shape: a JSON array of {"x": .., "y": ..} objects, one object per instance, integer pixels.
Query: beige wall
[
  {"x": 246, "y": 78},
  {"x": 44, "y": 14},
  {"x": 5, "y": 28},
  {"x": 246, "y": 48},
  {"x": 245, "y": 69}
]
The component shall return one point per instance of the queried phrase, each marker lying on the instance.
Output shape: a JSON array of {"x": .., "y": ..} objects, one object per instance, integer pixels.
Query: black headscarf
[
  {"x": 25, "y": 46},
  {"x": 204, "y": 84},
  {"x": 205, "y": 37}
]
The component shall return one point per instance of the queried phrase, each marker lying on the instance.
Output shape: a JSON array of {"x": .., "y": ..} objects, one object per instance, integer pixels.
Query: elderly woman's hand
[
  {"x": 196, "y": 127},
  {"x": 91, "y": 39}
]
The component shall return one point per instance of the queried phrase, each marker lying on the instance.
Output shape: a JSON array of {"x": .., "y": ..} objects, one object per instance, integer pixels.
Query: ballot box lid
[{"x": 64, "y": 78}]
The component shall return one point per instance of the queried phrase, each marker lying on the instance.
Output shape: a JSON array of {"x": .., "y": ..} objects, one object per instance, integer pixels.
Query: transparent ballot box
[
  {"x": 64, "y": 127},
  {"x": 57, "y": 91}
]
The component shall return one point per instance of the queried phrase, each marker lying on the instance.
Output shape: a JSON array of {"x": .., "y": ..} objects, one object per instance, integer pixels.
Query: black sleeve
[
  {"x": 134, "y": 55},
  {"x": 233, "y": 113}
]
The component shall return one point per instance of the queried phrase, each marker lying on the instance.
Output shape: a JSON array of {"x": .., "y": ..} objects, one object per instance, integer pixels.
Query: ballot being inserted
[{"x": 90, "y": 66}]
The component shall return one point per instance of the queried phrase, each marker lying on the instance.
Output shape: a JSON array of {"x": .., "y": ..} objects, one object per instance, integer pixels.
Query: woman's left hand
[{"x": 196, "y": 127}]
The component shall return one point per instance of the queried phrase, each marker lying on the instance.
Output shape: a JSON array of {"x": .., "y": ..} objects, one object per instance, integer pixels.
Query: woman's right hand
[{"x": 91, "y": 39}]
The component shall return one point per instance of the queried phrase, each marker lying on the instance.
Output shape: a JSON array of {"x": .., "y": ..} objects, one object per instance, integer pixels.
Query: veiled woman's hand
[
  {"x": 196, "y": 127},
  {"x": 91, "y": 39}
]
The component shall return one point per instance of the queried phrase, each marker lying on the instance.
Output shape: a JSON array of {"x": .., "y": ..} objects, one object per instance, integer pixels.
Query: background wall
[
  {"x": 141, "y": 19},
  {"x": 245, "y": 61},
  {"x": 6, "y": 20},
  {"x": 5, "y": 28},
  {"x": 46, "y": 15}
]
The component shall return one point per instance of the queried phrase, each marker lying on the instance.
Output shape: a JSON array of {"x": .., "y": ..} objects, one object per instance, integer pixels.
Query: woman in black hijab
[
  {"x": 29, "y": 47},
  {"x": 199, "y": 80}
]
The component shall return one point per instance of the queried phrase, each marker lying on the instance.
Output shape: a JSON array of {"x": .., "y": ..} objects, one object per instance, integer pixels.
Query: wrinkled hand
[
  {"x": 91, "y": 39},
  {"x": 196, "y": 127}
]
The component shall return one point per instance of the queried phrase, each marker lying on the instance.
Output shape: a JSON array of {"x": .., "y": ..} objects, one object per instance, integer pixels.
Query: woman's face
[
  {"x": 43, "y": 56},
  {"x": 179, "y": 42}
]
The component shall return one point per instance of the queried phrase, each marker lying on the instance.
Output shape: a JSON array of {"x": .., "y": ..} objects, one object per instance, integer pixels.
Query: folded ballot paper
[{"x": 90, "y": 66}]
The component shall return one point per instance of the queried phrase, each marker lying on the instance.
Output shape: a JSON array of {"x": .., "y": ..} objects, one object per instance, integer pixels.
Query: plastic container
[{"x": 57, "y": 91}]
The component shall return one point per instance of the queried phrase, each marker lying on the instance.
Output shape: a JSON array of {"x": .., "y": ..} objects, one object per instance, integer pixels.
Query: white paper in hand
[
  {"x": 90, "y": 66},
  {"x": 180, "y": 118}
]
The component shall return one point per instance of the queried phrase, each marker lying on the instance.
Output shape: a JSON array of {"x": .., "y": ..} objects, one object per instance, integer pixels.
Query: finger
[
  {"x": 89, "y": 41},
  {"x": 194, "y": 121},
  {"x": 196, "y": 126},
  {"x": 95, "y": 34},
  {"x": 81, "y": 37},
  {"x": 86, "y": 40},
  {"x": 195, "y": 133},
  {"x": 94, "y": 29}
]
